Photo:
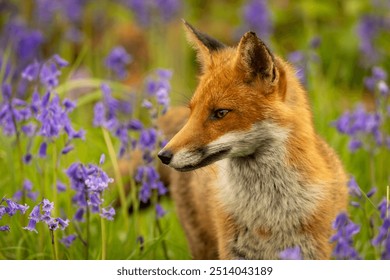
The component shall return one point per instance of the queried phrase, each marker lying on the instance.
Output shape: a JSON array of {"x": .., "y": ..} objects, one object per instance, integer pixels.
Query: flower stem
[
  {"x": 88, "y": 233},
  {"x": 104, "y": 238},
  {"x": 53, "y": 245},
  {"x": 163, "y": 243},
  {"x": 372, "y": 169},
  {"x": 117, "y": 175}
]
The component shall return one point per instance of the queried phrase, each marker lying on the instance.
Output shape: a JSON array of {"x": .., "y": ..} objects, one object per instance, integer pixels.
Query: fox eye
[{"x": 219, "y": 114}]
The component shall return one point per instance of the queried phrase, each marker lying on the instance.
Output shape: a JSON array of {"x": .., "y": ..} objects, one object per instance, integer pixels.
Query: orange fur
[{"x": 278, "y": 184}]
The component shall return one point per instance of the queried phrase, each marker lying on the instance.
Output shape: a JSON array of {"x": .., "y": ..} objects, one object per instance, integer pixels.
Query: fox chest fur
[{"x": 269, "y": 204}]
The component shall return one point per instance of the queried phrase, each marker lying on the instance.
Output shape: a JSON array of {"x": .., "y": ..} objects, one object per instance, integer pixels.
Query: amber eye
[{"x": 219, "y": 114}]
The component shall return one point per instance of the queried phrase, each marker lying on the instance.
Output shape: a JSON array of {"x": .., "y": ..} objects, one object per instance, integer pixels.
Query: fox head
[{"x": 241, "y": 93}]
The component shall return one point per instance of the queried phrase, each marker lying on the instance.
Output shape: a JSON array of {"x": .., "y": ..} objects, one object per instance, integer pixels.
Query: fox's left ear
[
  {"x": 255, "y": 59},
  {"x": 203, "y": 43}
]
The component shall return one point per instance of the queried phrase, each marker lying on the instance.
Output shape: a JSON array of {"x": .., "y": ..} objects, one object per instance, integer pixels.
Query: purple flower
[
  {"x": 36, "y": 216},
  {"x": 47, "y": 205},
  {"x": 31, "y": 72},
  {"x": 372, "y": 192},
  {"x": 160, "y": 212},
  {"x": 4, "y": 228},
  {"x": 354, "y": 188},
  {"x": 148, "y": 139},
  {"x": 354, "y": 144},
  {"x": 68, "y": 240},
  {"x": 145, "y": 11},
  {"x": 61, "y": 187},
  {"x": 89, "y": 182},
  {"x": 36, "y": 213},
  {"x": 62, "y": 223},
  {"x": 135, "y": 124},
  {"x": 99, "y": 114},
  {"x": 102, "y": 159},
  {"x": 60, "y": 61},
  {"x": 108, "y": 213},
  {"x": 78, "y": 216},
  {"x": 67, "y": 149},
  {"x": 31, "y": 225},
  {"x": 383, "y": 88},
  {"x": 117, "y": 61},
  {"x": 145, "y": 192},
  {"x": 358, "y": 125},
  {"x": 345, "y": 230},
  {"x": 13, "y": 207},
  {"x": 25, "y": 41},
  {"x": 29, "y": 129},
  {"x": 383, "y": 209},
  {"x": 69, "y": 105},
  {"x": 42, "y": 150},
  {"x": 147, "y": 104},
  {"x": 257, "y": 18},
  {"x": 293, "y": 253},
  {"x": 382, "y": 240},
  {"x": 368, "y": 29},
  {"x": 27, "y": 188}
]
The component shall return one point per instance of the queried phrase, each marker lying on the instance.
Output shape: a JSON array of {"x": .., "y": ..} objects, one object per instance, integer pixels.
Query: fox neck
[{"x": 262, "y": 189}]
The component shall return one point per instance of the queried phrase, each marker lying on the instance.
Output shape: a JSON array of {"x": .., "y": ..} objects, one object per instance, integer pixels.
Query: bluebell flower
[
  {"x": 42, "y": 150},
  {"x": 293, "y": 253},
  {"x": 47, "y": 205},
  {"x": 61, "y": 187},
  {"x": 31, "y": 72},
  {"x": 62, "y": 223},
  {"x": 67, "y": 149},
  {"x": 13, "y": 207},
  {"x": 353, "y": 187},
  {"x": 27, "y": 189},
  {"x": 162, "y": 11},
  {"x": 257, "y": 18},
  {"x": 5, "y": 228},
  {"x": 371, "y": 192},
  {"x": 78, "y": 216},
  {"x": 160, "y": 212},
  {"x": 99, "y": 114},
  {"x": 42, "y": 213},
  {"x": 89, "y": 182},
  {"x": 102, "y": 159},
  {"x": 27, "y": 158},
  {"x": 148, "y": 139},
  {"x": 145, "y": 192},
  {"x": 382, "y": 240},
  {"x": 108, "y": 213},
  {"x": 29, "y": 129},
  {"x": 368, "y": 29},
  {"x": 68, "y": 240},
  {"x": 117, "y": 61},
  {"x": 358, "y": 124},
  {"x": 135, "y": 125},
  {"x": 345, "y": 230},
  {"x": 31, "y": 226}
]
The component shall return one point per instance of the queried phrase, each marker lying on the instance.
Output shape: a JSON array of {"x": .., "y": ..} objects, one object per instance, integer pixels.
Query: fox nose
[{"x": 165, "y": 156}]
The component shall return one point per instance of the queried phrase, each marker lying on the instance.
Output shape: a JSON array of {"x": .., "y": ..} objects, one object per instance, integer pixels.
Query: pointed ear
[
  {"x": 254, "y": 59},
  {"x": 203, "y": 43}
]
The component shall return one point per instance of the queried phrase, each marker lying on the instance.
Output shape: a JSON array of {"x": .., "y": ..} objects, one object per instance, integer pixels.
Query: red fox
[{"x": 265, "y": 181}]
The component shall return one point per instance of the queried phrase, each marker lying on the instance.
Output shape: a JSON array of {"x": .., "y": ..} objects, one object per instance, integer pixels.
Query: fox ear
[
  {"x": 203, "y": 43},
  {"x": 255, "y": 59}
]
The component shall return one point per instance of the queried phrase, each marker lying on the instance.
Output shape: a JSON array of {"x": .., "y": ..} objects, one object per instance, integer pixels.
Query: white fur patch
[
  {"x": 263, "y": 192},
  {"x": 240, "y": 143}
]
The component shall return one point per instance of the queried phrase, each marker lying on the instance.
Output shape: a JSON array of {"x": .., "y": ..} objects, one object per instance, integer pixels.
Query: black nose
[{"x": 165, "y": 156}]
